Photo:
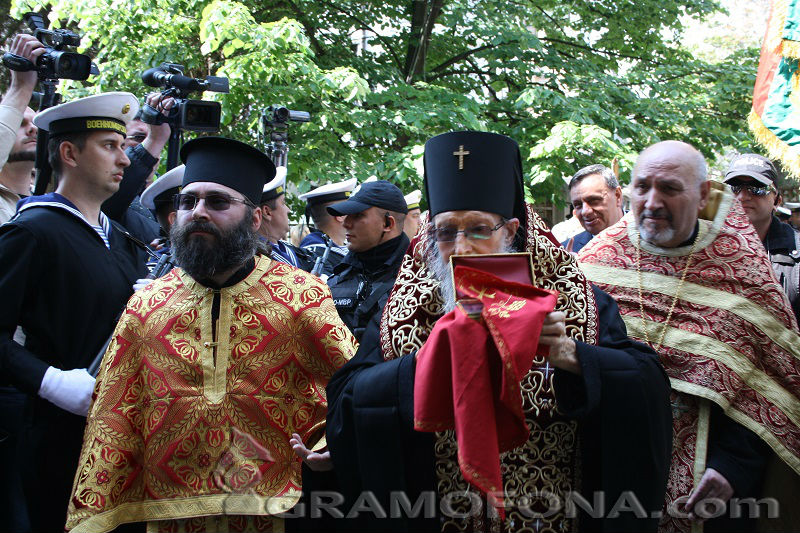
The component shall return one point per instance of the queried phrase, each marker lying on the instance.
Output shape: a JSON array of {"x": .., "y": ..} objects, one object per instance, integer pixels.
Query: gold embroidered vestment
[{"x": 190, "y": 422}]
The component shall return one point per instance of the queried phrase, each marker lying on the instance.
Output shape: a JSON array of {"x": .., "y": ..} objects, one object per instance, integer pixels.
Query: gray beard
[
  {"x": 441, "y": 272},
  {"x": 656, "y": 238},
  {"x": 201, "y": 258}
]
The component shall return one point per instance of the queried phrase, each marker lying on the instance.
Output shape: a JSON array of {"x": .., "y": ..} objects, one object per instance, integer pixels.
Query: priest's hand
[
  {"x": 713, "y": 485},
  {"x": 319, "y": 462},
  {"x": 70, "y": 390},
  {"x": 562, "y": 348}
]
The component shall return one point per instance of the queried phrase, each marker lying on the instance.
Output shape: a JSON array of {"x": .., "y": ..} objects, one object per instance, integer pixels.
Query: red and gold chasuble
[
  {"x": 732, "y": 338},
  {"x": 190, "y": 427},
  {"x": 547, "y": 463}
]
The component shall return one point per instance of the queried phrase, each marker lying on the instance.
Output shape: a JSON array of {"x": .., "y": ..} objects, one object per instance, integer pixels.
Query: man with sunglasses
[
  {"x": 373, "y": 224},
  {"x": 588, "y": 382},
  {"x": 212, "y": 370},
  {"x": 753, "y": 179}
]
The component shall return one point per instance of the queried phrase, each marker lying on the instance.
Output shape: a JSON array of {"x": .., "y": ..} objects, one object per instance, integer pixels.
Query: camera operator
[
  {"x": 17, "y": 132},
  {"x": 124, "y": 206},
  {"x": 17, "y": 156}
]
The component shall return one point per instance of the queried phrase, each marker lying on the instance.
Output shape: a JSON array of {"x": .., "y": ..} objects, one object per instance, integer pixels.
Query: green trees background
[{"x": 574, "y": 82}]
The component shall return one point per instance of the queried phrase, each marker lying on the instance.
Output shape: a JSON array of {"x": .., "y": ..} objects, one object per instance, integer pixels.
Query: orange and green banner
[{"x": 775, "y": 117}]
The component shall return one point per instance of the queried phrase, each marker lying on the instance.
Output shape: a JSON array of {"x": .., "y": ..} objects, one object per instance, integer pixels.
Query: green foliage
[
  {"x": 573, "y": 82},
  {"x": 569, "y": 147}
]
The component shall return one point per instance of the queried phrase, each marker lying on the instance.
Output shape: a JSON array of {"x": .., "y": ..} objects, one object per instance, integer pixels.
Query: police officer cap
[
  {"x": 103, "y": 112},
  {"x": 276, "y": 187},
  {"x": 753, "y": 166},
  {"x": 372, "y": 194},
  {"x": 331, "y": 192},
  {"x": 413, "y": 198},
  {"x": 228, "y": 162},
  {"x": 475, "y": 171},
  {"x": 163, "y": 189},
  {"x": 792, "y": 206}
]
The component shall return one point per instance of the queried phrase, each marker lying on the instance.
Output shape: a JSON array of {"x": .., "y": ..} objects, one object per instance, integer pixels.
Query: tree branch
[
  {"x": 310, "y": 30},
  {"x": 597, "y": 50},
  {"x": 463, "y": 55},
  {"x": 381, "y": 38}
]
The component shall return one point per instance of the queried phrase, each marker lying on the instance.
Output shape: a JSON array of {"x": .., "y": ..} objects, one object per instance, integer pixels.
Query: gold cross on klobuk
[{"x": 461, "y": 153}]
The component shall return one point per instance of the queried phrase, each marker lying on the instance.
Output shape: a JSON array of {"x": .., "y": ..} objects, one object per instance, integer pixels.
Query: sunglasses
[
  {"x": 753, "y": 190},
  {"x": 214, "y": 201}
]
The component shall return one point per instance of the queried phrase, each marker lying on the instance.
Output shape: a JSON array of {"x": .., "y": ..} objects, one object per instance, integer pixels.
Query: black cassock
[
  {"x": 621, "y": 403},
  {"x": 66, "y": 289}
]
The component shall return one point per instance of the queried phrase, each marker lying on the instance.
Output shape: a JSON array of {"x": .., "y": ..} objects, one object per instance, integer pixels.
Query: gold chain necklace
[{"x": 674, "y": 299}]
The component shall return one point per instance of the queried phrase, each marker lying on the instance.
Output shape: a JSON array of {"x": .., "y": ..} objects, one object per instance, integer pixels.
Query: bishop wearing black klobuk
[{"x": 607, "y": 429}]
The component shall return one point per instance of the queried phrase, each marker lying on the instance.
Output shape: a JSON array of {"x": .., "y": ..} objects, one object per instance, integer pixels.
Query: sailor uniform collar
[{"x": 55, "y": 200}]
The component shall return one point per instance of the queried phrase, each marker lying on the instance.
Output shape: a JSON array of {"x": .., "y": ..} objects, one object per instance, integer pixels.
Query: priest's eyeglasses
[
  {"x": 752, "y": 189},
  {"x": 214, "y": 201},
  {"x": 475, "y": 233}
]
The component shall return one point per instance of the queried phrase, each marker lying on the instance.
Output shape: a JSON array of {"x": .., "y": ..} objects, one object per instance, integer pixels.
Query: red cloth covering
[{"x": 486, "y": 360}]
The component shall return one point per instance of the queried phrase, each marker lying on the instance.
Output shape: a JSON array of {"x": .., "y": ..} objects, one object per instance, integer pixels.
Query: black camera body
[
  {"x": 54, "y": 63},
  {"x": 189, "y": 115},
  {"x": 275, "y": 119}
]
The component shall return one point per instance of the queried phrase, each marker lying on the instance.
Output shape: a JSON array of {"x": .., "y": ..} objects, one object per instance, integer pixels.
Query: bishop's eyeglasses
[{"x": 481, "y": 232}]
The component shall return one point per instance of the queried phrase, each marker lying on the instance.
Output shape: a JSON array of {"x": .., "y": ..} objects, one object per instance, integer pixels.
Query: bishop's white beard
[{"x": 441, "y": 272}]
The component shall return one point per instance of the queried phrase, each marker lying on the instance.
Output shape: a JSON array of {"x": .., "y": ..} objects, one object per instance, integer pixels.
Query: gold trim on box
[{"x": 452, "y": 266}]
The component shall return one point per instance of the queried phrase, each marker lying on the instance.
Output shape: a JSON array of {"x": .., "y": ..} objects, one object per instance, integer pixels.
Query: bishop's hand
[
  {"x": 562, "y": 348},
  {"x": 319, "y": 462}
]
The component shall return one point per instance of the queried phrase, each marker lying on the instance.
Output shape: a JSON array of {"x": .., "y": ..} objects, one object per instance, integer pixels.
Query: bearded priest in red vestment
[
  {"x": 701, "y": 291},
  {"x": 471, "y": 404},
  {"x": 211, "y": 371}
]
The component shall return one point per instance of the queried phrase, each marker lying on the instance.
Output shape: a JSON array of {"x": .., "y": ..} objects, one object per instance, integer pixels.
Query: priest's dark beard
[{"x": 203, "y": 258}]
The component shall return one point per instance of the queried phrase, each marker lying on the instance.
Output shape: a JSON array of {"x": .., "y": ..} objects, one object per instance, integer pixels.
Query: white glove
[
  {"x": 70, "y": 390},
  {"x": 141, "y": 283}
]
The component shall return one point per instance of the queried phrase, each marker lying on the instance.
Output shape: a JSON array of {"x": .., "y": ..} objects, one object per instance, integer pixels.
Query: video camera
[
  {"x": 275, "y": 120},
  {"x": 54, "y": 63},
  {"x": 191, "y": 115}
]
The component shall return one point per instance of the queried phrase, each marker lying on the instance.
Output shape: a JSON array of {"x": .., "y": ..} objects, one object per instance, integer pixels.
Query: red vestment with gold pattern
[
  {"x": 731, "y": 339},
  {"x": 191, "y": 422}
]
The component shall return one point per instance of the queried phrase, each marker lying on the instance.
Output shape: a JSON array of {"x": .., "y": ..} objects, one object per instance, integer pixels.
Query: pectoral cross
[
  {"x": 546, "y": 369},
  {"x": 461, "y": 153}
]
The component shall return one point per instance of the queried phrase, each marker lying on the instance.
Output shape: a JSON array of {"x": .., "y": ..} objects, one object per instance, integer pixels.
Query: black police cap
[{"x": 379, "y": 193}]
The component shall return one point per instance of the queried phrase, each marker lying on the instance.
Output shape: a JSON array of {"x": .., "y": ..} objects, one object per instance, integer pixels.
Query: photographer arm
[{"x": 19, "y": 93}]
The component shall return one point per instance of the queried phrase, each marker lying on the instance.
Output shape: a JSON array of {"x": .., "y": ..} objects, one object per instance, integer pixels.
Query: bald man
[{"x": 703, "y": 295}]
